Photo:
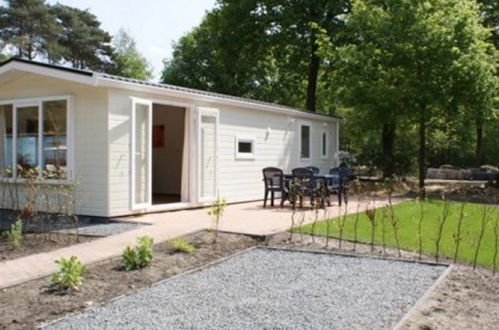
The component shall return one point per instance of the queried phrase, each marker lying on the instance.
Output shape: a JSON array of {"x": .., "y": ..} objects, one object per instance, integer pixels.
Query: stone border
[{"x": 421, "y": 301}]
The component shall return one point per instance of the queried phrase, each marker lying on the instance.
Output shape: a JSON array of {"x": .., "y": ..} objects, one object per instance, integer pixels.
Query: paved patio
[{"x": 244, "y": 218}]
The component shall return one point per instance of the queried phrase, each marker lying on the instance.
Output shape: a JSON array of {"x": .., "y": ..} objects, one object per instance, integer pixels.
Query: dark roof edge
[{"x": 46, "y": 65}]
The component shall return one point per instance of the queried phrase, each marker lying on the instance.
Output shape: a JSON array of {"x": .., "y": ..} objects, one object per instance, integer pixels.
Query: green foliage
[
  {"x": 128, "y": 61},
  {"x": 258, "y": 49},
  {"x": 182, "y": 245},
  {"x": 139, "y": 256},
  {"x": 15, "y": 234},
  {"x": 29, "y": 26},
  {"x": 409, "y": 214},
  {"x": 216, "y": 212},
  {"x": 70, "y": 274}
]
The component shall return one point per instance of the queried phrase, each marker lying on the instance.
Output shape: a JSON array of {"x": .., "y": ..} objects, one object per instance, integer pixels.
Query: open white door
[
  {"x": 208, "y": 154},
  {"x": 141, "y": 154}
]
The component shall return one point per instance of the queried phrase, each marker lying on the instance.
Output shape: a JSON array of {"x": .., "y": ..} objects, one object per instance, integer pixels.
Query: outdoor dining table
[{"x": 333, "y": 185}]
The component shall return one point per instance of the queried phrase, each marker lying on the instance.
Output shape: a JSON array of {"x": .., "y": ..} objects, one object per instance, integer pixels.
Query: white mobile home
[{"x": 137, "y": 147}]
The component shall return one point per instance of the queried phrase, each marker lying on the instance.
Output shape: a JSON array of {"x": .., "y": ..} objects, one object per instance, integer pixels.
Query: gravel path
[
  {"x": 263, "y": 289},
  {"x": 103, "y": 229}
]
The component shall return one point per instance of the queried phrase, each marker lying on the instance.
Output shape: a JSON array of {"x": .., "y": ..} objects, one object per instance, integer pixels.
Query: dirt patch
[
  {"x": 28, "y": 305},
  {"x": 38, "y": 243}
]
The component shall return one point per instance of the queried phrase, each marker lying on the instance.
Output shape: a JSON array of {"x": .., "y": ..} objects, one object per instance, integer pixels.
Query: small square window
[{"x": 245, "y": 147}]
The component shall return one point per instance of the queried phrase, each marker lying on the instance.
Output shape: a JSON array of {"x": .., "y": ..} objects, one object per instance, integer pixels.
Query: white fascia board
[
  {"x": 49, "y": 72},
  {"x": 112, "y": 83}
]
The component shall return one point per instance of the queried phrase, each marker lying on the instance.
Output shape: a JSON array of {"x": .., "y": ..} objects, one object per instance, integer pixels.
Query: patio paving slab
[{"x": 269, "y": 289}]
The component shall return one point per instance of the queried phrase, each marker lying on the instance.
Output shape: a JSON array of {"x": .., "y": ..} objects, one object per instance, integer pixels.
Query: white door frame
[
  {"x": 214, "y": 113},
  {"x": 147, "y": 204}
]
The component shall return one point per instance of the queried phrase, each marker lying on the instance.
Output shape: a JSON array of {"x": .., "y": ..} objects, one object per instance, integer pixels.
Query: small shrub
[
  {"x": 70, "y": 274},
  {"x": 182, "y": 245},
  {"x": 139, "y": 256},
  {"x": 216, "y": 212},
  {"x": 15, "y": 234}
]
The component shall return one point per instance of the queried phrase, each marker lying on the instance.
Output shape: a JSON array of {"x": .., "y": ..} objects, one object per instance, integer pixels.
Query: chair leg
[
  {"x": 283, "y": 198},
  {"x": 272, "y": 198},
  {"x": 345, "y": 196},
  {"x": 265, "y": 198},
  {"x": 339, "y": 197}
]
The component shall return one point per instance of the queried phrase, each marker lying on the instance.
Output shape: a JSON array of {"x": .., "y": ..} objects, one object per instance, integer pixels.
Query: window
[
  {"x": 245, "y": 147},
  {"x": 33, "y": 135},
  {"x": 305, "y": 142},
  {"x": 324, "y": 145}
]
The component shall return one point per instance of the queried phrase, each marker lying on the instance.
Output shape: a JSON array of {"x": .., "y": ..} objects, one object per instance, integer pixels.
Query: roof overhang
[{"x": 15, "y": 67}]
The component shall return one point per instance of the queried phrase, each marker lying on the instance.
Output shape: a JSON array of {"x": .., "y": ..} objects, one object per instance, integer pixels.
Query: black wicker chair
[
  {"x": 340, "y": 183},
  {"x": 307, "y": 185},
  {"x": 274, "y": 182}
]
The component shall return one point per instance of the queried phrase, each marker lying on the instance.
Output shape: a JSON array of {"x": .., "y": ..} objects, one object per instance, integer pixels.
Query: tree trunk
[
  {"x": 313, "y": 73},
  {"x": 388, "y": 141},
  {"x": 479, "y": 142},
  {"x": 422, "y": 153}
]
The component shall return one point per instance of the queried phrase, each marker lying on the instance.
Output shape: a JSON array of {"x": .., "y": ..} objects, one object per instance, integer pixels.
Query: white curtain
[{"x": 184, "y": 190}]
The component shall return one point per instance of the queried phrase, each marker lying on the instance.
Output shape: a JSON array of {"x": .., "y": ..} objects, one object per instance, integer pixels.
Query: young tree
[
  {"x": 83, "y": 43},
  {"x": 29, "y": 27},
  {"x": 128, "y": 61},
  {"x": 414, "y": 57}
]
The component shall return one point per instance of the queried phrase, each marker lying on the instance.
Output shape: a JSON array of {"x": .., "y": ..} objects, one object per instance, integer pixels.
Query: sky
[{"x": 154, "y": 24}]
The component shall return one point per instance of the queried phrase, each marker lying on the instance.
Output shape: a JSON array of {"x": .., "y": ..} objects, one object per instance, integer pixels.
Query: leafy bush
[
  {"x": 139, "y": 256},
  {"x": 70, "y": 274},
  {"x": 216, "y": 212},
  {"x": 15, "y": 234},
  {"x": 182, "y": 245}
]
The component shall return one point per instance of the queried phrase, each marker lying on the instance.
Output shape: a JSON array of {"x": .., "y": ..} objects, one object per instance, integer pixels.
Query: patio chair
[
  {"x": 274, "y": 182},
  {"x": 340, "y": 186},
  {"x": 306, "y": 185},
  {"x": 315, "y": 170}
]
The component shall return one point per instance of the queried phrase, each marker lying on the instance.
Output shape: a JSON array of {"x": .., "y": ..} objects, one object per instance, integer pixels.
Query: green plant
[
  {"x": 496, "y": 246},
  {"x": 182, "y": 245},
  {"x": 341, "y": 221},
  {"x": 15, "y": 234},
  {"x": 486, "y": 212},
  {"x": 70, "y": 274},
  {"x": 457, "y": 235},
  {"x": 216, "y": 212},
  {"x": 139, "y": 256},
  {"x": 440, "y": 227},
  {"x": 371, "y": 217}
]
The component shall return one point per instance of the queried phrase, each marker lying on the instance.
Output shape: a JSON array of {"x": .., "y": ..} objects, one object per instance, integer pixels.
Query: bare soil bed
[
  {"x": 27, "y": 305},
  {"x": 38, "y": 243},
  {"x": 466, "y": 299}
]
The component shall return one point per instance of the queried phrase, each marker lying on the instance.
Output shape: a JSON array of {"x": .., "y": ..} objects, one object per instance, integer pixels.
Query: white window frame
[
  {"x": 309, "y": 125},
  {"x": 244, "y": 139},
  {"x": 326, "y": 146},
  {"x": 38, "y": 102}
]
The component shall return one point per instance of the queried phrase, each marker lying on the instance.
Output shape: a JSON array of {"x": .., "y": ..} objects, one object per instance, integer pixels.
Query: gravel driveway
[{"x": 272, "y": 289}]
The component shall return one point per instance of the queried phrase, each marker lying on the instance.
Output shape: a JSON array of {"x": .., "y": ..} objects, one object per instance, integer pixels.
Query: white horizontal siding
[{"x": 90, "y": 133}]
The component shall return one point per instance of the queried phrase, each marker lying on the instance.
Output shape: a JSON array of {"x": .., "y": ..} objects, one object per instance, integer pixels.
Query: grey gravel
[
  {"x": 103, "y": 229},
  {"x": 271, "y": 289}
]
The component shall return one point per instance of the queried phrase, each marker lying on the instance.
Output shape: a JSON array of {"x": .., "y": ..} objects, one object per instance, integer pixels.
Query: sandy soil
[
  {"x": 37, "y": 243},
  {"x": 28, "y": 305}
]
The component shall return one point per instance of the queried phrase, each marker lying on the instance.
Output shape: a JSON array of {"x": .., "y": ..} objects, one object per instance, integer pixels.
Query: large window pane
[
  {"x": 27, "y": 138},
  {"x": 6, "y": 140},
  {"x": 305, "y": 141},
  {"x": 54, "y": 154}
]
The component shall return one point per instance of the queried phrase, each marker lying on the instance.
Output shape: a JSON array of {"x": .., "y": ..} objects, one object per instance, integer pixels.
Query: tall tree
[
  {"x": 29, "y": 26},
  {"x": 424, "y": 56},
  {"x": 83, "y": 43},
  {"x": 258, "y": 48},
  {"x": 128, "y": 61}
]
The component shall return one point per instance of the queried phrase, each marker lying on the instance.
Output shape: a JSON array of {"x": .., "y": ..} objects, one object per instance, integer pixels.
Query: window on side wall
[
  {"x": 34, "y": 139},
  {"x": 324, "y": 145},
  {"x": 245, "y": 147},
  {"x": 305, "y": 141}
]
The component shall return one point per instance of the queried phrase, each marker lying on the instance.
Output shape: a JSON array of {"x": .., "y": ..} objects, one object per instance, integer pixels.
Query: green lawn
[{"x": 408, "y": 214}]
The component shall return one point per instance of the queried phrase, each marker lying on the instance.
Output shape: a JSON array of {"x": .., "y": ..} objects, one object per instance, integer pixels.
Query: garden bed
[
  {"x": 27, "y": 305},
  {"x": 33, "y": 243}
]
